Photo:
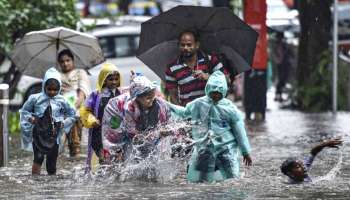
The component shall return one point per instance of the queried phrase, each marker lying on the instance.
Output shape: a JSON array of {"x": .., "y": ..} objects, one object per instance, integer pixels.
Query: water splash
[
  {"x": 151, "y": 157},
  {"x": 333, "y": 172}
]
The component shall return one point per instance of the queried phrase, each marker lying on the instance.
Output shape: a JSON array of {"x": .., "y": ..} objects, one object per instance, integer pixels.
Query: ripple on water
[{"x": 284, "y": 134}]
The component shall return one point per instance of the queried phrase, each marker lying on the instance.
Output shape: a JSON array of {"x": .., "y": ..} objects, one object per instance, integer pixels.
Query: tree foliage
[
  {"x": 313, "y": 72},
  {"x": 18, "y": 17}
]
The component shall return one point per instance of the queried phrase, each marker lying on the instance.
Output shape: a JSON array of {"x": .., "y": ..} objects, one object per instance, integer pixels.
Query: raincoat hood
[
  {"x": 216, "y": 82},
  {"x": 139, "y": 85},
  {"x": 51, "y": 73},
  {"x": 107, "y": 69}
]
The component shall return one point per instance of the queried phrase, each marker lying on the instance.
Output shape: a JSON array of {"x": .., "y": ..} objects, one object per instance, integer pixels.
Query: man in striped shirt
[{"x": 187, "y": 76}]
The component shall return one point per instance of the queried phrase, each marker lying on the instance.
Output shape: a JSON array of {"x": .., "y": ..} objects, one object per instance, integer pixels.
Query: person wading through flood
[
  {"x": 44, "y": 117},
  {"x": 134, "y": 116},
  {"x": 218, "y": 131},
  {"x": 91, "y": 112}
]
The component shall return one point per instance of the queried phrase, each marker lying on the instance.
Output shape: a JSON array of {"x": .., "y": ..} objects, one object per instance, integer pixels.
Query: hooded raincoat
[
  {"x": 123, "y": 117},
  {"x": 92, "y": 110},
  {"x": 219, "y": 134},
  {"x": 36, "y": 106}
]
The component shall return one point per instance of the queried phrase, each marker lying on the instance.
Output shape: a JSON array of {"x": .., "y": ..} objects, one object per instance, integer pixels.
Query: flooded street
[{"x": 284, "y": 134}]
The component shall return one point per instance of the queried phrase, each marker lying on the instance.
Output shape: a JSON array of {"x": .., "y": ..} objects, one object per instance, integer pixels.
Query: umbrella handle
[
  {"x": 57, "y": 44},
  {"x": 57, "y": 48}
]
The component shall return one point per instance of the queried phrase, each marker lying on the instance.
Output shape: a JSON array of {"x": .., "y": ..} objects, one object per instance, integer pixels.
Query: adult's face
[
  {"x": 188, "y": 45},
  {"x": 66, "y": 63},
  {"x": 146, "y": 100}
]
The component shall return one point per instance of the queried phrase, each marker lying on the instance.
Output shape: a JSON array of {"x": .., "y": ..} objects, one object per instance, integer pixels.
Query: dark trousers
[
  {"x": 255, "y": 87},
  {"x": 51, "y": 158},
  {"x": 282, "y": 78},
  {"x": 96, "y": 141}
]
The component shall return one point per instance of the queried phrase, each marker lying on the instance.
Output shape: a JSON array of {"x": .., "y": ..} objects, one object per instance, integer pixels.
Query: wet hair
[
  {"x": 52, "y": 81},
  {"x": 288, "y": 165},
  {"x": 194, "y": 33},
  {"x": 65, "y": 52}
]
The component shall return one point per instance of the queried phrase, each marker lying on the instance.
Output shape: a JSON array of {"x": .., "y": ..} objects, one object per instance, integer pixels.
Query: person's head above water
[{"x": 294, "y": 169}]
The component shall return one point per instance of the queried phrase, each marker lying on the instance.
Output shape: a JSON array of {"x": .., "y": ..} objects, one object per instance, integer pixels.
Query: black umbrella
[{"x": 219, "y": 29}]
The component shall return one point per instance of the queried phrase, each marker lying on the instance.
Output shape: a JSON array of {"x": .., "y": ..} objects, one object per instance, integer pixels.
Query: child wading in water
[
  {"x": 297, "y": 170},
  {"x": 91, "y": 112},
  {"x": 218, "y": 131},
  {"x": 43, "y": 119}
]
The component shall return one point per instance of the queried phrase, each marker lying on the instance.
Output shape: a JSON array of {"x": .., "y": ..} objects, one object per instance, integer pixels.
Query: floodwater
[{"x": 284, "y": 134}]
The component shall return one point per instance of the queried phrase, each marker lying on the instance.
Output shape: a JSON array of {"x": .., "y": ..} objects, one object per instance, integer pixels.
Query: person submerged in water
[{"x": 297, "y": 170}]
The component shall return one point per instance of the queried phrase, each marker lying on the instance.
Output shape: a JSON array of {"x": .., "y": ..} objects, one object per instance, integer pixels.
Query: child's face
[
  {"x": 298, "y": 172},
  {"x": 66, "y": 63},
  {"x": 215, "y": 96},
  {"x": 51, "y": 90},
  {"x": 146, "y": 101},
  {"x": 112, "y": 81}
]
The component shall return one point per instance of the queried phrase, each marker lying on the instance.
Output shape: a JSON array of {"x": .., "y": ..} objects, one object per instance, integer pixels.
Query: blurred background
[{"x": 304, "y": 29}]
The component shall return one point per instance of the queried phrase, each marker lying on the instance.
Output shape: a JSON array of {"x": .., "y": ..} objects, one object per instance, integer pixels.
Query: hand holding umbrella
[
  {"x": 37, "y": 50},
  {"x": 220, "y": 31}
]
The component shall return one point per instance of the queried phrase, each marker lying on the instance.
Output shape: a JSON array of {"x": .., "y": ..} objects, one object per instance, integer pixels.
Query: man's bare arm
[{"x": 174, "y": 98}]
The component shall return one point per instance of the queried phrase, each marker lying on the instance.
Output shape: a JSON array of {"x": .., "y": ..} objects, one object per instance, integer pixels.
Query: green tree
[
  {"x": 18, "y": 17},
  {"x": 313, "y": 72}
]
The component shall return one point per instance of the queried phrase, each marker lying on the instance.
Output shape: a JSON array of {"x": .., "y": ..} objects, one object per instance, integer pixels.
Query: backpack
[{"x": 45, "y": 132}]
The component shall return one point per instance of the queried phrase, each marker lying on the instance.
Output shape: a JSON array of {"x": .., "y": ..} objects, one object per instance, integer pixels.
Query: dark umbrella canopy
[{"x": 219, "y": 29}]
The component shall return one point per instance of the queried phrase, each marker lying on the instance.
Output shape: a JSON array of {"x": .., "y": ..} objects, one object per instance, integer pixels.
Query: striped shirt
[{"x": 179, "y": 75}]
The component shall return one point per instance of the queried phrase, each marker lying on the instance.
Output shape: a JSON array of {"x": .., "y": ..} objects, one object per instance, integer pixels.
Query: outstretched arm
[
  {"x": 335, "y": 143},
  {"x": 180, "y": 111}
]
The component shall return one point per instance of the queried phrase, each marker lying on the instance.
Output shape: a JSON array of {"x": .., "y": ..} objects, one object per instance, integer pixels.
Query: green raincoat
[{"x": 219, "y": 134}]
